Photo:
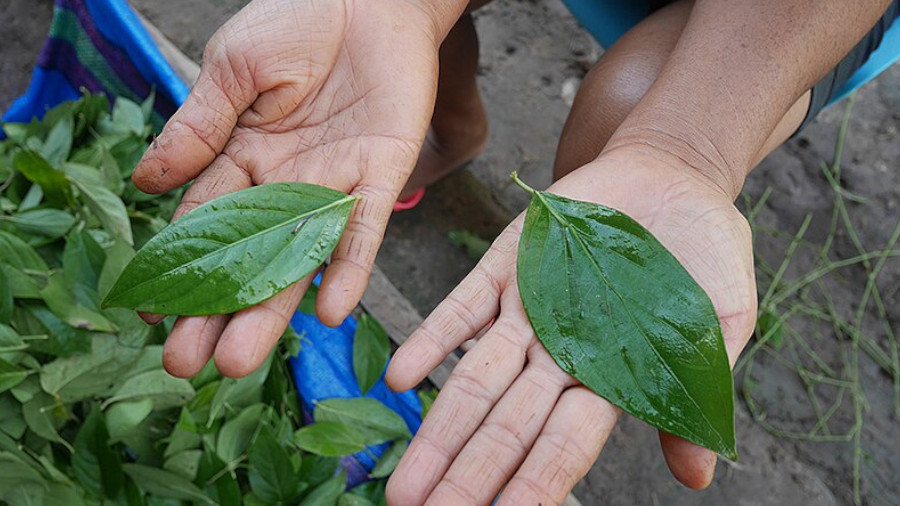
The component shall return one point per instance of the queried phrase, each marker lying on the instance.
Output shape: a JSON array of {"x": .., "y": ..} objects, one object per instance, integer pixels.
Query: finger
[
  {"x": 347, "y": 275},
  {"x": 199, "y": 130},
  {"x": 191, "y": 343},
  {"x": 253, "y": 332},
  {"x": 692, "y": 465},
  {"x": 151, "y": 318},
  {"x": 494, "y": 453},
  {"x": 479, "y": 380},
  {"x": 468, "y": 309},
  {"x": 222, "y": 177},
  {"x": 565, "y": 450}
]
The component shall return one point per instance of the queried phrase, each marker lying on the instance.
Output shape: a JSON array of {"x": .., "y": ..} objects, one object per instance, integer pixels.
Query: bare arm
[{"x": 737, "y": 69}]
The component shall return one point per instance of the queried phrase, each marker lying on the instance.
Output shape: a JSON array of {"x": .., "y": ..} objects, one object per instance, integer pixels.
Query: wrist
[
  {"x": 688, "y": 150},
  {"x": 442, "y": 15}
]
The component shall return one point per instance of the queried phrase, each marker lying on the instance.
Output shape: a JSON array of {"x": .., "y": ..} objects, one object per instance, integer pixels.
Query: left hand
[{"x": 509, "y": 418}]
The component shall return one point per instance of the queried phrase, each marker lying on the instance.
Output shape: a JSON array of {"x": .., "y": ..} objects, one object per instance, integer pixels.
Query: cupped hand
[
  {"x": 509, "y": 418},
  {"x": 336, "y": 93}
]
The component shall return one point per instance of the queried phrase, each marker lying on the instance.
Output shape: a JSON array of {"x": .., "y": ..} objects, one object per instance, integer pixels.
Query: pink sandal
[{"x": 411, "y": 202}]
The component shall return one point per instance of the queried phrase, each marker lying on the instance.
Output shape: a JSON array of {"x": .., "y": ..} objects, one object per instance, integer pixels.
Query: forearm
[{"x": 737, "y": 68}]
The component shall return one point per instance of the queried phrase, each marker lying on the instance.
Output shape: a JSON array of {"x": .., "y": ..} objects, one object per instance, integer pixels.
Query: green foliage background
[{"x": 87, "y": 414}]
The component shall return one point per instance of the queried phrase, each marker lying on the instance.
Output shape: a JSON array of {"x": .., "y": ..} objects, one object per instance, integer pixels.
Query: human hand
[
  {"x": 509, "y": 418},
  {"x": 333, "y": 93}
]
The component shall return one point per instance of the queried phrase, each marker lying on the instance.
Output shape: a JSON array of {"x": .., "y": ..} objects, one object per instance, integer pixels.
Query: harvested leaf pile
[{"x": 87, "y": 414}]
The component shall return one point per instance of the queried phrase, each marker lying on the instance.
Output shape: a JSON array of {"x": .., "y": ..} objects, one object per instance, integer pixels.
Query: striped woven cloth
[{"x": 99, "y": 46}]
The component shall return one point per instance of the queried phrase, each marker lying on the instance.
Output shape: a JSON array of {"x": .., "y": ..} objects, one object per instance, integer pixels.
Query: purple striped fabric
[
  {"x": 59, "y": 55},
  {"x": 115, "y": 57}
]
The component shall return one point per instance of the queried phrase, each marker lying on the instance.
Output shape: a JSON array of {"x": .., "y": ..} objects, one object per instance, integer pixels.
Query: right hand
[
  {"x": 509, "y": 420},
  {"x": 336, "y": 93}
]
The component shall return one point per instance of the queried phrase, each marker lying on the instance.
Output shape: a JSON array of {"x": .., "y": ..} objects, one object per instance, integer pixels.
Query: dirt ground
[{"x": 531, "y": 52}]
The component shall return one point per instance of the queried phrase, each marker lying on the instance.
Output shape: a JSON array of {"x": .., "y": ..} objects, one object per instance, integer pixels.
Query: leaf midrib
[{"x": 342, "y": 200}]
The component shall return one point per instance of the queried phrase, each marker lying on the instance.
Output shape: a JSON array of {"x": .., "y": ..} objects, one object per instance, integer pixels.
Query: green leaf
[
  {"x": 19, "y": 482},
  {"x": 95, "y": 465},
  {"x": 184, "y": 463},
  {"x": 58, "y": 144},
  {"x": 50, "y": 223},
  {"x": 124, "y": 417},
  {"x": 63, "y": 339},
  {"x": 6, "y": 298},
  {"x": 770, "y": 329},
  {"x": 376, "y": 422},
  {"x": 82, "y": 259},
  {"x": 63, "y": 493},
  {"x": 108, "y": 208},
  {"x": 117, "y": 257},
  {"x": 147, "y": 105},
  {"x": 272, "y": 475},
  {"x": 371, "y": 349},
  {"x": 353, "y": 500},
  {"x": 389, "y": 459},
  {"x": 185, "y": 435},
  {"x": 234, "y": 251},
  {"x": 427, "y": 398},
  {"x": 32, "y": 198},
  {"x": 236, "y": 434},
  {"x": 166, "y": 484},
  {"x": 238, "y": 393},
  {"x": 26, "y": 390},
  {"x": 330, "y": 439},
  {"x": 163, "y": 390},
  {"x": 19, "y": 254},
  {"x": 474, "y": 246},
  {"x": 57, "y": 189},
  {"x": 129, "y": 115},
  {"x": 618, "y": 312},
  {"x": 11, "y": 344},
  {"x": 85, "y": 375},
  {"x": 22, "y": 285},
  {"x": 60, "y": 298},
  {"x": 10, "y": 375},
  {"x": 225, "y": 489},
  {"x": 327, "y": 493},
  {"x": 40, "y": 415},
  {"x": 316, "y": 469},
  {"x": 308, "y": 302}
]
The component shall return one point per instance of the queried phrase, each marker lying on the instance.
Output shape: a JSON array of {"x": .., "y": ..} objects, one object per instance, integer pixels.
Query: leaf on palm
[
  {"x": 617, "y": 311},
  {"x": 234, "y": 251}
]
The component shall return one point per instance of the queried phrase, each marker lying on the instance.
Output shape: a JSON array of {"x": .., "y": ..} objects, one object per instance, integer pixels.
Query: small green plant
[{"x": 618, "y": 312}]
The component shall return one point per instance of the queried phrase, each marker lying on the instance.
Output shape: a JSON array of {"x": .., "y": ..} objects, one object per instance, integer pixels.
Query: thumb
[
  {"x": 690, "y": 464},
  {"x": 201, "y": 127}
]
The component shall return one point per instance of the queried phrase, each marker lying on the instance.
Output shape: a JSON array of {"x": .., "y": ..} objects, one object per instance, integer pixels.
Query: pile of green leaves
[{"x": 87, "y": 414}]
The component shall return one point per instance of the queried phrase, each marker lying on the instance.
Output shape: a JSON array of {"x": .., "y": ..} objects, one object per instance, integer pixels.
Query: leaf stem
[{"x": 515, "y": 178}]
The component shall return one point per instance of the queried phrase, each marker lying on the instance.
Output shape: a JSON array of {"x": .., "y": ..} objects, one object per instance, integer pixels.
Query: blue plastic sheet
[{"x": 324, "y": 369}]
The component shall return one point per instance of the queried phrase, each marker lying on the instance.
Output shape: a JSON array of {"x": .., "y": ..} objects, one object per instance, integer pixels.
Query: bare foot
[{"x": 444, "y": 153}]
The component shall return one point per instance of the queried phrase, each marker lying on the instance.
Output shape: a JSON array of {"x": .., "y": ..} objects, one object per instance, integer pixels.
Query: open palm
[
  {"x": 509, "y": 416},
  {"x": 327, "y": 92}
]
